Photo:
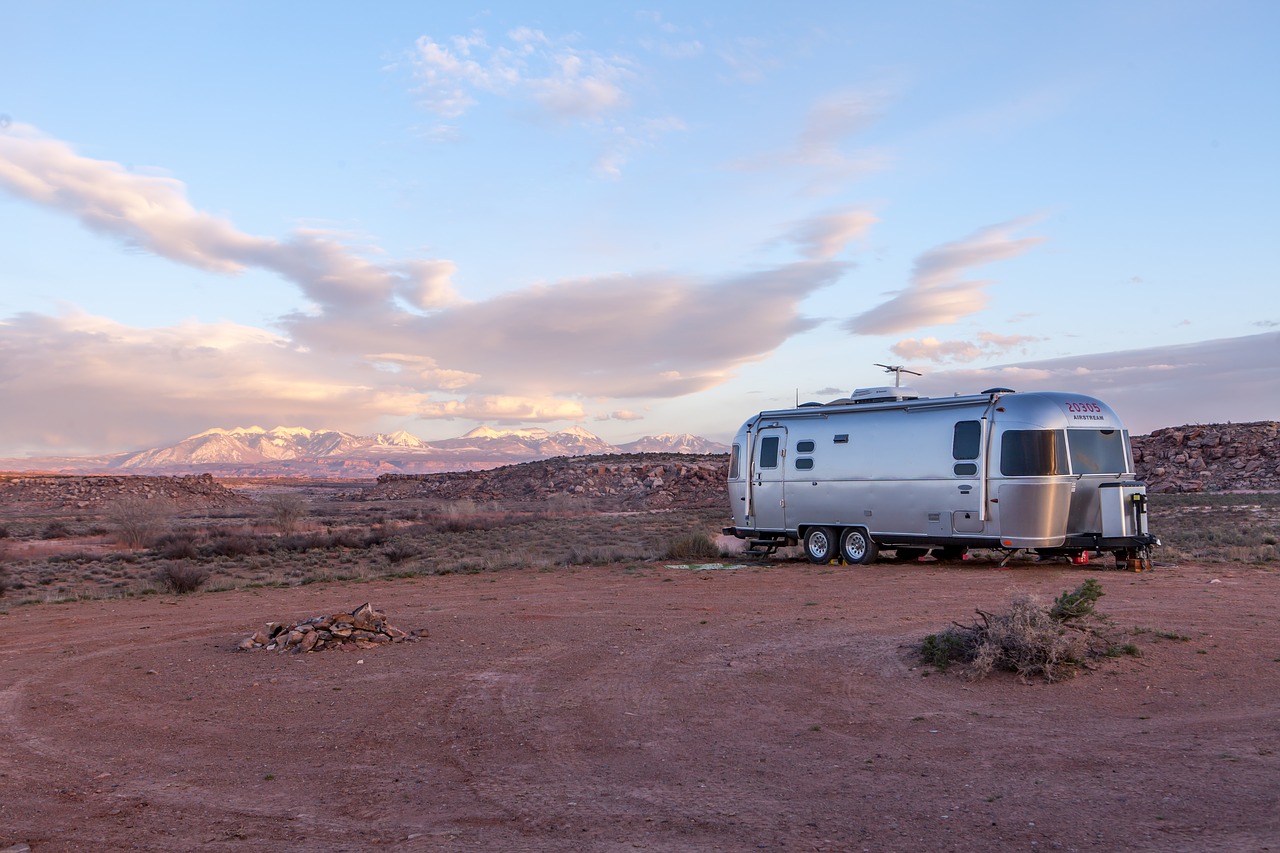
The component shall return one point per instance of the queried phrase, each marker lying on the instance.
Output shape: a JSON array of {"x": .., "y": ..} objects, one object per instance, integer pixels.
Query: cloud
[
  {"x": 935, "y": 295},
  {"x": 377, "y": 339},
  {"x": 621, "y": 142},
  {"x": 154, "y": 214},
  {"x": 825, "y": 237},
  {"x": 819, "y": 145},
  {"x": 931, "y": 349},
  {"x": 1230, "y": 379},
  {"x": 564, "y": 81},
  {"x": 505, "y": 409},
  {"x": 748, "y": 59},
  {"x": 616, "y": 336},
  {"x": 77, "y": 382}
]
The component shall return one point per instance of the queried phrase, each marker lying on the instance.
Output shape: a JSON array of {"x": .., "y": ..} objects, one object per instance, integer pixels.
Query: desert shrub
[
  {"x": 373, "y": 537},
  {"x": 176, "y": 546},
  {"x": 694, "y": 545},
  {"x": 398, "y": 551},
  {"x": 139, "y": 521},
  {"x": 1030, "y": 639},
  {"x": 55, "y": 529},
  {"x": 233, "y": 545},
  {"x": 286, "y": 510},
  {"x": 182, "y": 578},
  {"x": 4, "y": 532},
  {"x": 6, "y": 583}
]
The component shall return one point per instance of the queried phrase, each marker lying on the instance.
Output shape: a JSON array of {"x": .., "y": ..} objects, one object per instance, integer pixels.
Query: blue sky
[{"x": 637, "y": 219}]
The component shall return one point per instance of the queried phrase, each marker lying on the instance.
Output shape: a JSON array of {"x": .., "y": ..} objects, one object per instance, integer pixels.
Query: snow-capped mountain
[
  {"x": 673, "y": 443},
  {"x": 299, "y": 451}
]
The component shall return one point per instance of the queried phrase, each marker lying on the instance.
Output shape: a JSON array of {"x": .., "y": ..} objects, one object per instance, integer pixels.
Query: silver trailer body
[{"x": 1047, "y": 471}]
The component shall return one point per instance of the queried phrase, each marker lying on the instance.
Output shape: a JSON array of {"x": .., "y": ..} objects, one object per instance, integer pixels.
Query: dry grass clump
[
  {"x": 692, "y": 546},
  {"x": 1030, "y": 639}
]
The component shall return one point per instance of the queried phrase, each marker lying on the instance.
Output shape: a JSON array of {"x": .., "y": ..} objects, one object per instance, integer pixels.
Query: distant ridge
[{"x": 302, "y": 452}]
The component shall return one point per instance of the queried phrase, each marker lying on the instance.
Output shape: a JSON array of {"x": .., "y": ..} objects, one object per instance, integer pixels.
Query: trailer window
[
  {"x": 804, "y": 463},
  {"x": 805, "y": 446},
  {"x": 733, "y": 461},
  {"x": 769, "y": 452},
  {"x": 1033, "y": 453},
  {"x": 967, "y": 441},
  {"x": 1097, "y": 451}
]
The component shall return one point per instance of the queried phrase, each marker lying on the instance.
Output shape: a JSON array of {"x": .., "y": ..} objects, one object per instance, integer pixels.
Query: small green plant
[{"x": 1077, "y": 603}]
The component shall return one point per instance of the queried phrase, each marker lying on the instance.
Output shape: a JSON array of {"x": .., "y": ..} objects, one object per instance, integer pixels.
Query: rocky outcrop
[
  {"x": 1210, "y": 458},
  {"x": 90, "y": 492},
  {"x": 628, "y": 481}
]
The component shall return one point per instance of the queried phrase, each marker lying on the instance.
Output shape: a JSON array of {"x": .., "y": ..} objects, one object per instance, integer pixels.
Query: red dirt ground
[{"x": 603, "y": 709}]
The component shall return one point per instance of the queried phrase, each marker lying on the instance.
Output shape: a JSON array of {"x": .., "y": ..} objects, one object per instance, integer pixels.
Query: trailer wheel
[
  {"x": 819, "y": 545},
  {"x": 856, "y": 547}
]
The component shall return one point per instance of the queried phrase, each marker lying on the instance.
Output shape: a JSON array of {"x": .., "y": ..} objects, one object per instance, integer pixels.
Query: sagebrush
[{"x": 1031, "y": 639}]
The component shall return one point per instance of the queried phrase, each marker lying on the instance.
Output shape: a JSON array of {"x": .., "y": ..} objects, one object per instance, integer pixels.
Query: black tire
[
  {"x": 820, "y": 545},
  {"x": 857, "y": 548}
]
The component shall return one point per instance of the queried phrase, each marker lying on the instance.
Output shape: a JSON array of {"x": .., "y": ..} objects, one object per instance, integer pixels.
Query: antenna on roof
[{"x": 897, "y": 370}]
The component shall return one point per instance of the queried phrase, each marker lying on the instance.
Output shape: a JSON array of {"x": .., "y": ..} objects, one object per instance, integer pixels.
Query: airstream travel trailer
[{"x": 885, "y": 468}]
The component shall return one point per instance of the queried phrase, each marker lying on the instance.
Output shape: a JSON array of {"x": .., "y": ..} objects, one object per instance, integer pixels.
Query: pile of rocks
[
  {"x": 619, "y": 481},
  {"x": 362, "y": 628},
  {"x": 1210, "y": 458},
  {"x": 56, "y": 491}
]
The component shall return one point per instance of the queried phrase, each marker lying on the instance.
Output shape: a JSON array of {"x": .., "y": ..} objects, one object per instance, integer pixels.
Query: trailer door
[
  {"x": 967, "y": 467},
  {"x": 767, "y": 501}
]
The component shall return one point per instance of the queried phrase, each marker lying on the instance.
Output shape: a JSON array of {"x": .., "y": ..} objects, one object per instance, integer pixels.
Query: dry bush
[
  {"x": 176, "y": 546},
  {"x": 139, "y": 521},
  {"x": 692, "y": 546},
  {"x": 182, "y": 578},
  {"x": 56, "y": 529},
  {"x": 287, "y": 511},
  {"x": 1029, "y": 639}
]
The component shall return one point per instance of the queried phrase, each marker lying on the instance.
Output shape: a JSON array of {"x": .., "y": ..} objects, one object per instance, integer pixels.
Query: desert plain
[{"x": 605, "y": 701}]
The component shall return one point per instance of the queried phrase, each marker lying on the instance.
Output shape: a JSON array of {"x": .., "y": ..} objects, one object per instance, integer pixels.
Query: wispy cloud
[
  {"x": 564, "y": 81},
  {"x": 820, "y": 145},
  {"x": 826, "y": 236},
  {"x": 987, "y": 345},
  {"x": 937, "y": 295}
]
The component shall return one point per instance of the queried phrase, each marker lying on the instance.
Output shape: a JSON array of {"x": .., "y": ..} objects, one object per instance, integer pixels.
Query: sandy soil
[{"x": 603, "y": 709}]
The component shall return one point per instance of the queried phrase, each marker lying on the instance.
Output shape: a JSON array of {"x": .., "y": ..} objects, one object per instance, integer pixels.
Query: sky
[{"x": 636, "y": 219}]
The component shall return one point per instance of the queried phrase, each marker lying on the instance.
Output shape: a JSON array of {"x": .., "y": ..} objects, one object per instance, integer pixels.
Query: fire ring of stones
[{"x": 362, "y": 628}]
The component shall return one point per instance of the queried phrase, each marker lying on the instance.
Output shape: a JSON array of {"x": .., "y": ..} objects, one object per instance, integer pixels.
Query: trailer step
[{"x": 763, "y": 547}]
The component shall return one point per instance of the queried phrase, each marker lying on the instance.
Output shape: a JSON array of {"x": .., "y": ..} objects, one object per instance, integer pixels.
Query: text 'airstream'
[{"x": 884, "y": 468}]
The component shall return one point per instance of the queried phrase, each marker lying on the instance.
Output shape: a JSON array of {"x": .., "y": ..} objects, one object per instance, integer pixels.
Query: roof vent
[{"x": 884, "y": 394}]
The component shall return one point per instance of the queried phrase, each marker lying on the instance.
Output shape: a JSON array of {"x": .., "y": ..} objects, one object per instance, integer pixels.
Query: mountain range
[{"x": 301, "y": 452}]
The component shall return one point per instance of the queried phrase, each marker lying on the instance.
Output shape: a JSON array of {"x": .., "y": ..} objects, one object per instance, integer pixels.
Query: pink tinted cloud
[{"x": 936, "y": 294}]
